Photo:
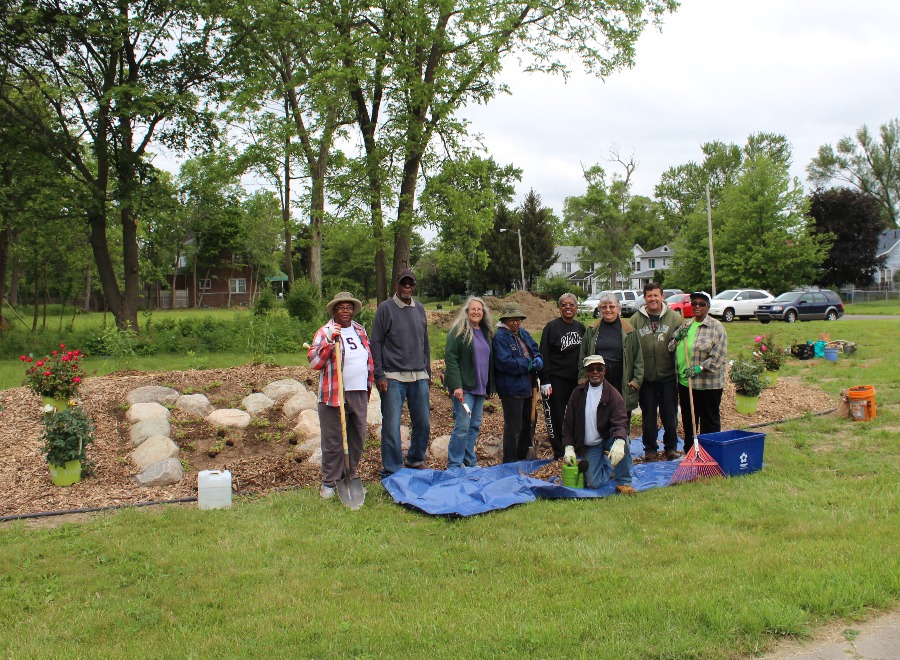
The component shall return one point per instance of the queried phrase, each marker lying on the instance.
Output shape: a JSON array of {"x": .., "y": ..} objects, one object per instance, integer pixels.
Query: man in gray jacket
[
  {"x": 402, "y": 360},
  {"x": 655, "y": 324}
]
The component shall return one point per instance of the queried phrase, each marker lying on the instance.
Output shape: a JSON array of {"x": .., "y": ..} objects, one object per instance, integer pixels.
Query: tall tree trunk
[
  {"x": 4, "y": 266},
  {"x": 34, "y": 318},
  {"x": 87, "y": 291},
  {"x": 404, "y": 226},
  {"x": 286, "y": 208},
  {"x": 15, "y": 277}
]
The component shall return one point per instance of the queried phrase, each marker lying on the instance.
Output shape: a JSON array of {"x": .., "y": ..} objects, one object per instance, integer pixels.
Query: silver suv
[{"x": 626, "y": 298}]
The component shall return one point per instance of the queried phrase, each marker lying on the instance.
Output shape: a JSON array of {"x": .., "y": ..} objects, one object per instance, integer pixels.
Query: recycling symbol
[{"x": 744, "y": 460}]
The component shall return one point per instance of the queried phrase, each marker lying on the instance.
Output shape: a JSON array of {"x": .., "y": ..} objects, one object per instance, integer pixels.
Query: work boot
[
  {"x": 672, "y": 454},
  {"x": 625, "y": 489},
  {"x": 651, "y": 456}
]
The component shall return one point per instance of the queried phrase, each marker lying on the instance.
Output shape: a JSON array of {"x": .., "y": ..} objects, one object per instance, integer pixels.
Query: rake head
[{"x": 696, "y": 464}]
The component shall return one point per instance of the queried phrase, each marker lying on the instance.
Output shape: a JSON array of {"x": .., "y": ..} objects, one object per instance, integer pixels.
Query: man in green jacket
[
  {"x": 616, "y": 340},
  {"x": 655, "y": 324}
]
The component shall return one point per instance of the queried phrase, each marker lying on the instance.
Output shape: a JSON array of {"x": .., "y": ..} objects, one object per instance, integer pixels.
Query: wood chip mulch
[{"x": 261, "y": 458}]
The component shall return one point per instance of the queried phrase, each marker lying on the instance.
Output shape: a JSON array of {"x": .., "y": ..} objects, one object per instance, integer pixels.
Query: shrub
[
  {"x": 66, "y": 435},
  {"x": 554, "y": 286},
  {"x": 264, "y": 303},
  {"x": 56, "y": 375},
  {"x": 303, "y": 301},
  {"x": 747, "y": 376}
]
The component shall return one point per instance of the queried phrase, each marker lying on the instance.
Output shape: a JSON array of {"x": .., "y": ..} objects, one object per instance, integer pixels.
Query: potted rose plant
[
  {"x": 67, "y": 433},
  {"x": 747, "y": 378},
  {"x": 771, "y": 355},
  {"x": 55, "y": 377}
]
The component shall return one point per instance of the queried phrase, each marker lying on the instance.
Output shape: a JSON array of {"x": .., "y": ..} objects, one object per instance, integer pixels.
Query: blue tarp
[{"x": 470, "y": 491}]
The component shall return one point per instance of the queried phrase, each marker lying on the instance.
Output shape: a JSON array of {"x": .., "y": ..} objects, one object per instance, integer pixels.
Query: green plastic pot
[
  {"x": 68, "y": 474},
  {"x": 59, "y": 404},
  {"x": 746, "y": 405}
]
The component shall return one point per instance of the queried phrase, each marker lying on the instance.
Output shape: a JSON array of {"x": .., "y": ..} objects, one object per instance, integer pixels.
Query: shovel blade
[{"x": 352, "y": 494}]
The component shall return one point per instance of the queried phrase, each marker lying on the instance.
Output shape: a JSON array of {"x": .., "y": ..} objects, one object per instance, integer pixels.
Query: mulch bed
[{"x": 262, "y": 457}]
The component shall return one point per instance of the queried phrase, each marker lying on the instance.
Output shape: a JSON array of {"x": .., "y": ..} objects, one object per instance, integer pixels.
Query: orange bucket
[{"x": 862, "y": 402}]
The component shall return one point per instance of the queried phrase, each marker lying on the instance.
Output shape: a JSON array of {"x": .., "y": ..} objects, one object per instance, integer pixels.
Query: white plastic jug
[{"x": 214, "y": 489}]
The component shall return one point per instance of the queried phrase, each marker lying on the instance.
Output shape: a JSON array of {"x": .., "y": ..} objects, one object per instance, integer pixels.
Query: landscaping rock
[
  {"x": 229, "y": 417},
  {"x": 149, "y": 428},
  {"x": 316, "y": 458},
  {"x": 282, "y": 390},
  {"x": 492, "y": 446},
  {"x": 153, "y": 394},
  {"x": 309, "y": 446},
  {"x": 257, "y": 403},
  {"x": 438, "y": 448},
  {"x": 307, "y": 424},
  {"x": 164, "y": 473},
  {"x": 143, "y": 411},
  {"x": 155, "y": 449},
  {"x": 194, "y": 404},
  {"x": 298, "y": 403}
]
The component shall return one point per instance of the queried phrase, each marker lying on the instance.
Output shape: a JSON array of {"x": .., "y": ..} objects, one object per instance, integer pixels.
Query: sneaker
[
  {"x": 326, "y": 492},
  {"x": 672, "y": 454},
  {"x": 625, "y": 489}
]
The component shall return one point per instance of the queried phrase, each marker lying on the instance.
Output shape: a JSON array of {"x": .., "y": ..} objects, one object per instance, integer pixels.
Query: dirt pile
[{"x": 538, "y": 312}]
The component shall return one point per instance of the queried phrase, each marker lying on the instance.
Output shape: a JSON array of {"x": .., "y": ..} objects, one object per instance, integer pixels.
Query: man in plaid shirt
[{"x": 704, "y": 365}]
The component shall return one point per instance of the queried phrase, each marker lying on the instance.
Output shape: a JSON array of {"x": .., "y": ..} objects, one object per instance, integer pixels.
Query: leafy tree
[
  {"x": 602, "y": 227},
  {"x": 538, "y": 247},
  {"x": 759, "y": 223},
  {"x": 870, "y": 164},
  {"x": 418, "y": 63},
  {"x": 116, "y": 77},
  {"x": 648, "y": 228},
  {"x": 853, "y": 220}
]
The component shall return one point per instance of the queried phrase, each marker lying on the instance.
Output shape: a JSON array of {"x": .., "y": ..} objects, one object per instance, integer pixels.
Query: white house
[
  {"x": 568, "y": 263},
  {"x": 889, "y": 248},
  {"x": 647, "y": 263}
]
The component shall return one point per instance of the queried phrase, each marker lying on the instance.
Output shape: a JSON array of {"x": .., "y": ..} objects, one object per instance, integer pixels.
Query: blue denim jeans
[
  {"x": 461, "y": 450},
  {"x": 600, "y": 469},
  {"x": 416, "y": 396}
]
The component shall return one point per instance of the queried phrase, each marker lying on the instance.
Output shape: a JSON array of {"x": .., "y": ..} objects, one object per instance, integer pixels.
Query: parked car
[
  {"x": 681, "y": 303},
  {"x": 811, "y": 305},
  {"x": 589, "y": 304},
  {"x": 738, "y": 303},
  {"x": 670, "y": 292},
  {"x": 631, "y": 308}
]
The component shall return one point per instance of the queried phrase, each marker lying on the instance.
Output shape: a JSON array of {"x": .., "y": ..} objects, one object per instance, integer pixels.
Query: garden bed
[{"x": 261, "y": 457}]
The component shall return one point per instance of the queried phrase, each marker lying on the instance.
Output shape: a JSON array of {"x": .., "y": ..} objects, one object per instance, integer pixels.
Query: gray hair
[
  {"x": 564, "y": 296},
  {"x": 463, "y": 328},
  {"x": 608, "y": 298}
]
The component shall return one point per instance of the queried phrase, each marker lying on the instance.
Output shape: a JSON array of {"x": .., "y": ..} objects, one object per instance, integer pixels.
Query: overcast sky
[{"x": 812, "y": 70}]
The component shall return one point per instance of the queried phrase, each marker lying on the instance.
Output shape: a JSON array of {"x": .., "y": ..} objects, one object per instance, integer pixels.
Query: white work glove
[
  {"x": 569, "y": 456},
  {"x": 546, "y": 390},
  {"x": 617, "y": 453}
]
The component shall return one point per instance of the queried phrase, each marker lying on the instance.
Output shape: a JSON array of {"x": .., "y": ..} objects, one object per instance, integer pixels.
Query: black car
[{"x": 811, "y": 305}]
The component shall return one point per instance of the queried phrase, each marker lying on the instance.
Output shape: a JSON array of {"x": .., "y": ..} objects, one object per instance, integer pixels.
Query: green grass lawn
[
  {"x": 880, "y": 307},
  {"x": 706, "y": 570}
]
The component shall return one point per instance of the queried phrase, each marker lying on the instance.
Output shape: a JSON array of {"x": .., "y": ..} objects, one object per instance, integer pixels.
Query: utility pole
[{"x": 712, "y": 259}]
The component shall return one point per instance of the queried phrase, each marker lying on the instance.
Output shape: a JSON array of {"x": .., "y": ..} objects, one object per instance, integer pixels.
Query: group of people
[{"x": 591, "y": 378}]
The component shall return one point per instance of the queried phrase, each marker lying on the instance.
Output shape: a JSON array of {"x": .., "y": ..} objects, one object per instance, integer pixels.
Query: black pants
[
  {"x": 706, "y": 409},
  {"x": 661, "y": 396},
  {"x": 516, "y": 427},
  {"x": 562, "y": 390}
]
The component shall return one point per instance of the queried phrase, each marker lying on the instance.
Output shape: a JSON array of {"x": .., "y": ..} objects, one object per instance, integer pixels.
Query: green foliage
[
  {"x": 264, "y": 303},
  {"x": 554, "y": 286},
  {"x": 66, "y": 434},
  {"x": 603, "y": 228},
  {"x": 869, "y": 163},
  {"x": 303, "y": 301},
  {"x": 852, "y": 220},
  {"x": 57, "y": 375},
  {"x": 747, "y": 376},
  {"x": 120, "y": 344},
  {"x": 767, "y": 351},
  {"x": 259, "y": 339}
]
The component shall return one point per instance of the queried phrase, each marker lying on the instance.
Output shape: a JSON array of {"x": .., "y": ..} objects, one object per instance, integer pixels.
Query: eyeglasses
[
  {"x": 591, "y": 368},
  {"x": 699, "y": 303},
  {"x": 407, "y": 283},
  {"x": 343, "y": 308},
  {"x": 609, "y": 306}
]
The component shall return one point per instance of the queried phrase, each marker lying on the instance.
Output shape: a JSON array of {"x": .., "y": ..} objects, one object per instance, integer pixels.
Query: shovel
[{"x": 350, "y": 491}]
